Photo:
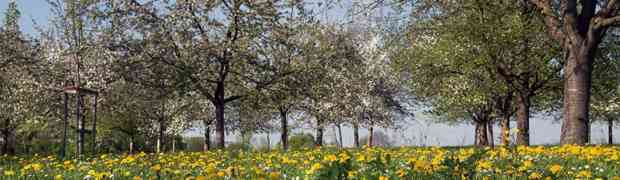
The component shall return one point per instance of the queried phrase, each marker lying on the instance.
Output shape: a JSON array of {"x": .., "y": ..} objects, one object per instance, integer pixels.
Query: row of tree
[{"x": 161, "y": 68}]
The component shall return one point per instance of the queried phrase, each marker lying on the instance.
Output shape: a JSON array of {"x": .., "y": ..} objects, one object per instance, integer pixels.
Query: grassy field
[{"x": 556, "y": 162}]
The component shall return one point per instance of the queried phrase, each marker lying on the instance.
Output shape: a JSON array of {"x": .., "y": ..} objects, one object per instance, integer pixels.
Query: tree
[
  {"x": 17, "y": 82},
  {"x": 579, "y": 27},
  {"x": 605, "y": 86}
]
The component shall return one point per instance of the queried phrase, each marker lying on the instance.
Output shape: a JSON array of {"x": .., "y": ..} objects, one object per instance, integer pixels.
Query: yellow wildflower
[
  {"x": 535, "y": 175},
  {"x": 584, "y": 174},
  {"x": 383, "y": 178},
  {"x": 9, "y": 173},
  {"x": 555, "y": 168}
]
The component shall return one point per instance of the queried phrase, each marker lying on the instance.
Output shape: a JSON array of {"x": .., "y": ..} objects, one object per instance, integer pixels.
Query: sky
[
  {"x": 35, "y": 13},
  {"x": 418, "y": 131}
]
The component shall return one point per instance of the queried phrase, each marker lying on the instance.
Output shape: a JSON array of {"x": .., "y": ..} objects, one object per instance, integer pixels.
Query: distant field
[{"x": 556, "y": 162}]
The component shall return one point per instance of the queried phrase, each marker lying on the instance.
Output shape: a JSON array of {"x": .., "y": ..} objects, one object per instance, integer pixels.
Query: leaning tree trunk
[
  {"x": 481, "y": 138},
  {"x": 340, "y": 135},
  {"x": 610, "y": 128},
  {"x": 356, "y": 135},
  {"x": 371, "y": 132},
  {"x": 523, "y": 119},
  {"x": 284, "y": 123},
  {"x": 577, "y": 86},
  {"x": 490, "y": 133},
  {"x": 319, "y": 133}
]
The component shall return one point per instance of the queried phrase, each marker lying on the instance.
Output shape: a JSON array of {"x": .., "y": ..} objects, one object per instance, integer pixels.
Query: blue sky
[{"x": 33, "y": 11}]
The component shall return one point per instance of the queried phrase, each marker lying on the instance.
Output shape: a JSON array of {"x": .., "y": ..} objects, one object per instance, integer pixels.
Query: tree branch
[{"x": 551, "y": 20}]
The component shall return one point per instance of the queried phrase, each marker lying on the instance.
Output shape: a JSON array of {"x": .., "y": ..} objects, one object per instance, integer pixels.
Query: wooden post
[
  {"x": 80, "y": 126},
  {"x": 95, "y": 124},
  {"x": 64, "y": 131}
]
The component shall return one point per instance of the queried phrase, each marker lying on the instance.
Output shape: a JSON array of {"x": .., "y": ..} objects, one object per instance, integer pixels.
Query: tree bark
[
  {"x": 356, "y": 135},
  {"x": 610, "y": 128},
  {"x": 207, "y": 144},
  {"x": 160, "y": 135},
  {"x": 174, "y": 144},
  {"x": 284, "y": 123},
  {"x": 481, "y": 138},
  {"x": 131, "y": 141},
  {"x": 340, "y": 135},
  {"x": 505, "y": 130},
  {"x": 219, "y": 126},
  {"x": 490, "y": 133},
  {"x": 523, "y": 119},
  {"x": 371, "y": 134},
  {"x": 319, "y": 133},
  {"x": 577, "y": 86}
]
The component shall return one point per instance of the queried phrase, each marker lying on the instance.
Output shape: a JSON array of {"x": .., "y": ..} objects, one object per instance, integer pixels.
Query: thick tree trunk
[
  {"x": 481, "y": 138},
  {"x": 490, "y": 133},
  {"x": 207, "y": 144},
  {"x": 319, "y": 133},
  {"x": 284, "y": 123},
  {"x": 371, "y": 134},
  {"x": 219, "y": 126},
  {"x": 7, "y": 138},
  {"x": 610, "y": 129},
  {"x": 356, "y": 135},
  {"x": 523, "y": 119},
  {"x": 505, "y": 130},
  {"x": 577, "y": 86}
]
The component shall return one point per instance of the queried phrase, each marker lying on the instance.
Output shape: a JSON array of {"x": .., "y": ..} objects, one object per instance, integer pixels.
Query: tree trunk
[
  {"x": 610, "y": 128},
  {"x": 481, "y": 138},
  {"x": 577, "y": 86},
  {"x": 7, "y": 138},
  {"x": 319, "y": 133},
  {"x": 371, "y": 134},
  {"x": 490, "y": 133},
  {"x": 284, "y": 123},
  {"x": 174, "y": 144},
  {"x": 340, "y": 135},
  {"x": 505, "y": 130},
  {"x": 131, "y": 141},
  {"x": 523, "y": 119},
  {"x": 207, "y": 143},
  {"x": 356, "y": 135},
  {"x": 160, "y": 135},
  {"x": 219, "y": 125}
]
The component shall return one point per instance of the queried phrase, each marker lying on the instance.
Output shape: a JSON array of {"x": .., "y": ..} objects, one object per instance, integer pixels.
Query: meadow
[{"x": 519, "y": 162}]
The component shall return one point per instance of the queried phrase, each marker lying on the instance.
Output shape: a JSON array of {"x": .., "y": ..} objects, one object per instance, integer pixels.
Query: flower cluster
[{"x": 539, "y": 162}]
